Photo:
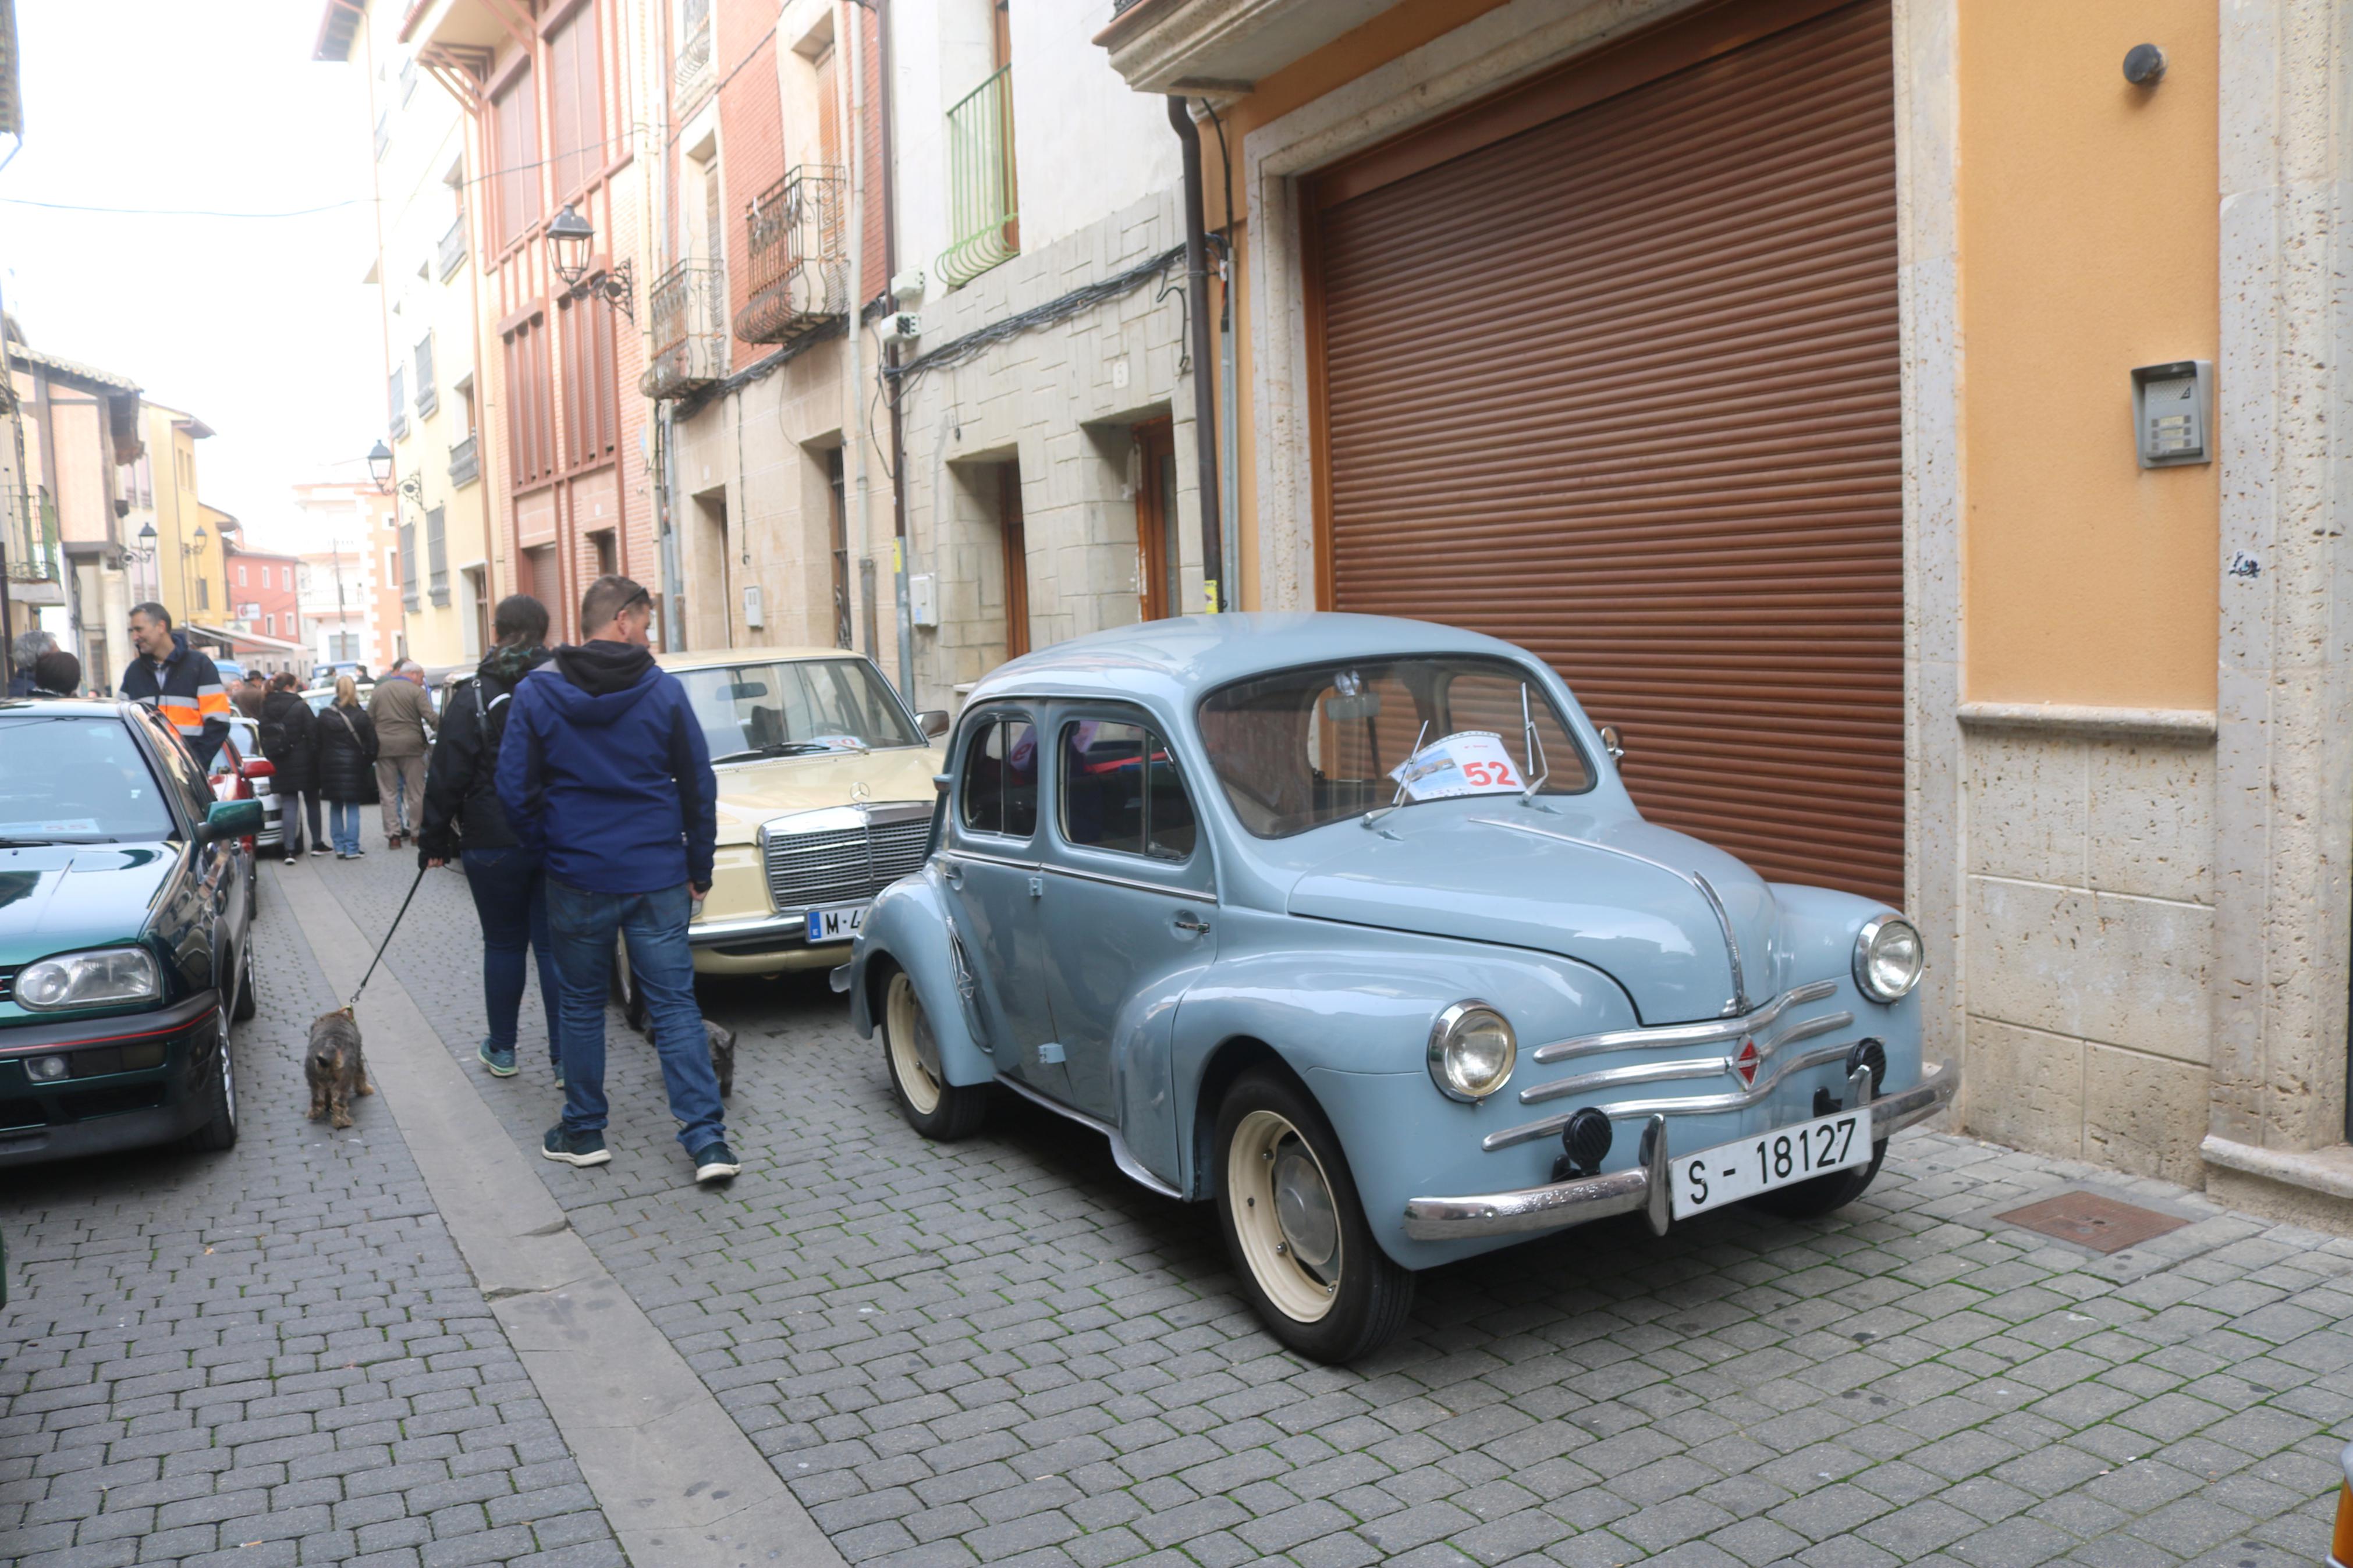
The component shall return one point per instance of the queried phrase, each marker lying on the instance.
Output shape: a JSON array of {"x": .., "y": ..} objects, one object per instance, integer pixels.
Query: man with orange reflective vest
[{"x": 177, "y": 682}]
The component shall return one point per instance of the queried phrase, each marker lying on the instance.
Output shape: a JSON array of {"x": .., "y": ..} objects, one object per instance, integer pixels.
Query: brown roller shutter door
[{"x": 1623, "y": 387}]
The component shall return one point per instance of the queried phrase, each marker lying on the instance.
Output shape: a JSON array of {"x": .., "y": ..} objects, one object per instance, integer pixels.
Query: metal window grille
[
  {"x": 983, "y": 215},
  {"x": 399, "y": 405},
  {"x": 798, "y": 258},
  {"x": 693, "y": 62},
  {"x": 688, "y": 307},
  {"x": 465, "y": 462},
  {"x": 453, "y": 246},
  {"x": 437, "y": 559},
  {"x": 428, "y": 396},
  {"x": 408, "y": 566}
]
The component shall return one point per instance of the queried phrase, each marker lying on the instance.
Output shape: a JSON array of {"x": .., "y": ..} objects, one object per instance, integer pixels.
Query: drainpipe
[
  {"x": 665, "y": 476},
  {"x": 855, "y": 421},
  {"x": 1196, "y": 296},
  {"x": 900, "y": 545}
]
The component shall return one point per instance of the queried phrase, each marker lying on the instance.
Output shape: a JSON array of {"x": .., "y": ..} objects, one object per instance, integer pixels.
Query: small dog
[
  {"x": 335, "y": 1067},
  {"x": 722, "y": 1051}
]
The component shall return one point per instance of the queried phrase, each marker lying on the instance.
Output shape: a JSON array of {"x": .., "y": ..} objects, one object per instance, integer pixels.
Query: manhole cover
[{"x": 2087, "y": 1219}]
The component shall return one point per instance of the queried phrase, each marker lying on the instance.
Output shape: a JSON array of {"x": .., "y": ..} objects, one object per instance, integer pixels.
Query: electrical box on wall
[
  {"x": 924, "y": 599},
  {"x": 2173, "y": 413},
  {"x": 752, "y": 605}
]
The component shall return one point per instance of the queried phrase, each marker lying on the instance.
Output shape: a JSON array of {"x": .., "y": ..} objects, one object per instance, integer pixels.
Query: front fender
[{"x": 908, "y": 926}]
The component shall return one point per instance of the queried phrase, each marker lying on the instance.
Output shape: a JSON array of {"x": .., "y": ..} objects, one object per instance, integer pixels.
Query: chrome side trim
[
  {"x": 1739, "y": 1001},
  {"x": 1644, "y": 1188},
  {"x": 1121, "y": 1156},
  {"x": 976, "y": 859},
  {"x": 1688, "y": 1067},
  {"x": 1705, "y": 1034},
  {"x": 1136, "y": 883}
]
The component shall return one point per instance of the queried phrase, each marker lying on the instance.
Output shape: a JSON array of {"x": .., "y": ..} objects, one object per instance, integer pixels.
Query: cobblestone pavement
[
  {"x": 268, "y": 1356},
  {"x": 1003, "y": 1350}
]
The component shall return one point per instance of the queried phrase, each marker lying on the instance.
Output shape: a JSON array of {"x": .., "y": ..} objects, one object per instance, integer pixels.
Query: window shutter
[
  {"x": 436, "y": 560},
  {"x": 408, "y": 566}
]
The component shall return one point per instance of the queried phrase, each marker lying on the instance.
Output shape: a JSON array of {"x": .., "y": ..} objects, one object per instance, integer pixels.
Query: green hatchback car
[{"x": 125, "y": 914}]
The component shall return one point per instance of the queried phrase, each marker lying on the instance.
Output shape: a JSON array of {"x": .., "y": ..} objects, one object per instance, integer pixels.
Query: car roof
[
  {"x": 70, "y": 706},
  {"x": 706, "y": 658},
  {"x": 1175, "y": 659}
]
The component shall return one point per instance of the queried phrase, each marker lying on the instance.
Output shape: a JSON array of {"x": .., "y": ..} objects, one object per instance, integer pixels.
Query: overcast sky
[{"x": 259, "y": 327}]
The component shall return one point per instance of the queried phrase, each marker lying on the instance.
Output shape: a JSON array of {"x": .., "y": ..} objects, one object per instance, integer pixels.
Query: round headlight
[
  {"x": 1471, "y": 1050},
  {"x": 112, "y": 975},
  {"x": 1888, "y": 958}
]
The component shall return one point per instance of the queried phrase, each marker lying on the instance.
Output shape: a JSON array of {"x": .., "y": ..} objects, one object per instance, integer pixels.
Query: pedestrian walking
[
  {"x": 603, "y": 771},
  {"x": 464, "y": 822},
  {"x": 403, "y": 715},
  {"x": 347, "y": 771},
  {"x": 178, "y": 681},
  {"x": 24, "y": 653},
  {"x": 290, "y": 739}
]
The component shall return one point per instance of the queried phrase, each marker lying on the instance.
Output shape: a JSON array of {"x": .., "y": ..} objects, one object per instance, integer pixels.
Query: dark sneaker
[
  {"x": 574, "y": 1148},
  {"x": 716, "y": 1162},
  {"x": 500, "y": 1062},
  {"x": 320, "y": 849}
]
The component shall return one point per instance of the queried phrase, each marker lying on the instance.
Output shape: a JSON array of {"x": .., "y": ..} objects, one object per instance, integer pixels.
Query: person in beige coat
[{"x": 403, "y": 716}]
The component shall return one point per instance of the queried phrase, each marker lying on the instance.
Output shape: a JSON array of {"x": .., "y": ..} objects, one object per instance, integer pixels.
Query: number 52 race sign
[{"x": 1469, "y": 762}]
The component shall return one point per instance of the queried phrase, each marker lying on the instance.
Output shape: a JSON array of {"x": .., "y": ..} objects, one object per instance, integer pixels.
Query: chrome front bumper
[{"x": 1643, "y": 1190}]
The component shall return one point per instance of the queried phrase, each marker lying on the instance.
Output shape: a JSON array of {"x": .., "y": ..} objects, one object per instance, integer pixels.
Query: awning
[{"x": 248, "y": 640}]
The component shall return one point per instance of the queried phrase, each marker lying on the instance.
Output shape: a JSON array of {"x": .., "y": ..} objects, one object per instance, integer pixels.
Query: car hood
[
  {"x": 751, "y": 792},
  {"x": 1623, "y": 895},
  {"x": 58, "y": 897}
]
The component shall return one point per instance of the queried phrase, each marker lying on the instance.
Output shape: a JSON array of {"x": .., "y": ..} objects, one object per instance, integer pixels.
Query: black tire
[
  {"x": 625, "y": 986},
  {"x": 246, "y": 1004},
  {"x": 218, "y": 1133},
  {"x": 940, "y": 1111},
  {"x": 1352, "y": 1300},
  {"x": 1824, "y": 1194}
]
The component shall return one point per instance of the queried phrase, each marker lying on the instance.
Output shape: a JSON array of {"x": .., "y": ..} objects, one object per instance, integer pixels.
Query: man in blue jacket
[{"x": 605, "y": 776}]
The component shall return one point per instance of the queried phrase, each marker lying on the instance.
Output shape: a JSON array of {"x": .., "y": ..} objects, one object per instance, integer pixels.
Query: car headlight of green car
[{"x": 104, "y": 977}]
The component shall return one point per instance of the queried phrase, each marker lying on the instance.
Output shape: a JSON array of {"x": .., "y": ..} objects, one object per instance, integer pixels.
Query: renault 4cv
[{"x": 1348, "y": 926}]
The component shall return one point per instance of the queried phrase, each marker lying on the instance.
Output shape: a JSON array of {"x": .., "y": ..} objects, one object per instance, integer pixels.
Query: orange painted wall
[{"x": 2088, "y": 245}]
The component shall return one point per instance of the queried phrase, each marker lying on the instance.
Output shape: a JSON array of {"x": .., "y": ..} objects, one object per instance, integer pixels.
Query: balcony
[
  {"x": 453, "y": 248},
  {"x": 465, "y": 462},
  {"x": 798, "y": 258},
  {"x": 983, "y": 215},
  {"x": 692, "y": 70},
  {"x": 688, "y": 308},
  {"x": 32, "y": 540},
  {"x": 1221, "y": 48}
]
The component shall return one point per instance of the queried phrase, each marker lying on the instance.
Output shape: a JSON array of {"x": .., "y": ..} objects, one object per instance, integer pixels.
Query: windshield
[
  {"x": 794, "y": 708},
  {"x": 77, "y": 781},
  {"x": 1303, "y": 747}
]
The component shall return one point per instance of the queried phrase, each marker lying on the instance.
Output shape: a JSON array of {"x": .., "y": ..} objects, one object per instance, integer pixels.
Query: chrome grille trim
[
  {"x": 1698, "y": 1105},
  {"x": 1689, "y": 1067},
  {"x": 1705, "y": 1034},
  {"x": 841, "y": 855}
]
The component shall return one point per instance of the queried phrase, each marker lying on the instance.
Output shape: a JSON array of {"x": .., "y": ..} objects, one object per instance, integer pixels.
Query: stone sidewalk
[{"x": 1003, "y": 1350}]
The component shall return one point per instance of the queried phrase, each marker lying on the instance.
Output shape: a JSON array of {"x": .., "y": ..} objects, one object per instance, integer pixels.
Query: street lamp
[
  {"x": 147, "y": 540},
  {"x": 379, "y": 461},
  {"x": 570, "y": 240}
]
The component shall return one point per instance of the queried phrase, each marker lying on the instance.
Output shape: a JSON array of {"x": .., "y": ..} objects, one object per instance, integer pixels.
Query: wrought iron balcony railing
[
  {"x": 687, "y": 308},
  {"x": 797, "y": 255},
  {"x": 465, "y": 462},
  {"x": 984, "y": 212},
  {"x": 453, "y": 246},
  {"x": 693, "y": 65},
  {"x": 32, "y": 537}
]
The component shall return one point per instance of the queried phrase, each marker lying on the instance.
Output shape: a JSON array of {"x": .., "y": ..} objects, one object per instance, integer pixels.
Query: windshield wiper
[{"x": 779, "y": 748}]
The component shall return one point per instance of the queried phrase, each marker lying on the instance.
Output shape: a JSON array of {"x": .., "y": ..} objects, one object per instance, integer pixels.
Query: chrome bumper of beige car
[
  {"x": 790, "y": 930},
  {"x": 1641, "y": 1190}
]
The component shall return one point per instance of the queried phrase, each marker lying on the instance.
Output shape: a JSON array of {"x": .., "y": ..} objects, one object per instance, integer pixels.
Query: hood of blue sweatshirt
[{"x": 595, "y": 683}]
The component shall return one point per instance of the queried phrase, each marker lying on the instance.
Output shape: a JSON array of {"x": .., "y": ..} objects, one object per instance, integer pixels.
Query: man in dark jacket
[
  {"x": 604, "y": 772},
  {"x": 290, "y": 740},
  {"x": 178, "y": 681},
  {"x": 463, "y": 821}
]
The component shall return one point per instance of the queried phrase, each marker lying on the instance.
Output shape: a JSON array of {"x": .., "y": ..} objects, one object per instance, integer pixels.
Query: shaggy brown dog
[{"x": 334, "y": 1067}]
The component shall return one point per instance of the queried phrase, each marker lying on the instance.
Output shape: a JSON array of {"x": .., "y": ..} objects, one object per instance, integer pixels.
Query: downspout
[
  {"x": 1205, "y": 409},
  {"x": 665, "y": 476},
  {"x": 899, "y": 548},
  {"x": 855, "y": 414}
]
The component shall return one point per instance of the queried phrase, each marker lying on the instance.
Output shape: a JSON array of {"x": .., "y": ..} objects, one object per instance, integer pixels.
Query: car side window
[
  {"x": 1121, "y": 791},
  {"x": 181, "y": 767},
  {"x": 998, "y": 791}
]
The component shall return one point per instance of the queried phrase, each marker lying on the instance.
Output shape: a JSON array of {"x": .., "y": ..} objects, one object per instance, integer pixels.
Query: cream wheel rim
[
  {"x": 913, "y": 1051},
  {"x": 1285, "y": 1215}
]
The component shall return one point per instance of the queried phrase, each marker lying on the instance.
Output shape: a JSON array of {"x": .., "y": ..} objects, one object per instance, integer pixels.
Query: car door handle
[
  {"x": 1191, "y": 923},
  {"x": 952, "y": 874}
]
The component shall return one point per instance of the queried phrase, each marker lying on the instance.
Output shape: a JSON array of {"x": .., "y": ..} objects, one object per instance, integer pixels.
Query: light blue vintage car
[{"x": 1347, "y": 925}]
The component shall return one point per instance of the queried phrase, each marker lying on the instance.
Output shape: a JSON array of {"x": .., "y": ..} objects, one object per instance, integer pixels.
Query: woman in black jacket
[
  {"x": 346, "y": 766},
  {"x": 290, "y": 740},
  {"x": 464, "y": 822}
]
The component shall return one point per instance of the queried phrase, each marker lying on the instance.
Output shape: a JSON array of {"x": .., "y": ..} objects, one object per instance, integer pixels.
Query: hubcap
[
  {"x": 1284, "y": 1217},
  {"x": 915, "y": 1053}
]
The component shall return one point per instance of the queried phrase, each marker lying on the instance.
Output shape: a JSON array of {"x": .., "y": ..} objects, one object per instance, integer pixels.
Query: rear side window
[
  {"x": 999, "y": 788},
  {"x": 1121, "y": 791}
]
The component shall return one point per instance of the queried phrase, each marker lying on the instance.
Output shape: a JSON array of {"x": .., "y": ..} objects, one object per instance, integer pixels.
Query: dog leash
[{"x": 388, "y": 940}]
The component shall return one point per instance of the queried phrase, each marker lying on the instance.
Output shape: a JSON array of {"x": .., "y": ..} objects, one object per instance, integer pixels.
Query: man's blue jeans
[
  {"x": 584, "y": 925},
  {"x": 510, "y": 895}
]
